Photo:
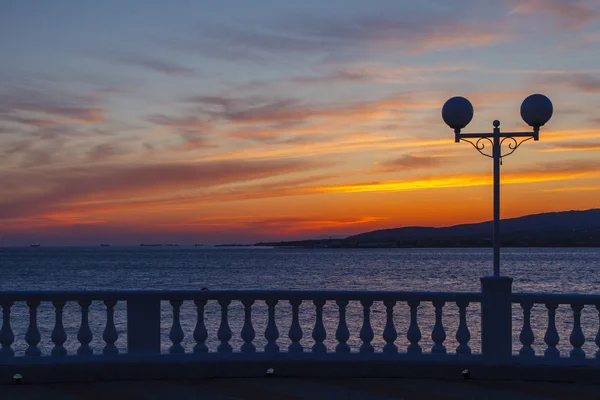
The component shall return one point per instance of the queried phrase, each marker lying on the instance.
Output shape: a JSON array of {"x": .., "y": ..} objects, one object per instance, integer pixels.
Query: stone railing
[
  {"x": 551, "y": 338},
  {"x": 144, "y": 323}
]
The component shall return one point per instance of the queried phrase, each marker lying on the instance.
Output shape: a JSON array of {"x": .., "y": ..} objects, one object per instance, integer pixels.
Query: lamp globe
[
  {"x": 536, "y": 110},
  {"x": 457, "y": 112}
]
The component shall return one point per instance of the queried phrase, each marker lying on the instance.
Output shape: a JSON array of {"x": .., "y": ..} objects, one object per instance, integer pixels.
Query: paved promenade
[{"x": 305, "y": 388}]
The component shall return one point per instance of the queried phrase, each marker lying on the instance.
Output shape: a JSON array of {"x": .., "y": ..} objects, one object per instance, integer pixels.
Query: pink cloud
[{"x": 570, "y": 13}]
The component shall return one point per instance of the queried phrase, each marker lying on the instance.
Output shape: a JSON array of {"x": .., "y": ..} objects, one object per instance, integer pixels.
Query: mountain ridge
[{"x": 562, "y": 228}]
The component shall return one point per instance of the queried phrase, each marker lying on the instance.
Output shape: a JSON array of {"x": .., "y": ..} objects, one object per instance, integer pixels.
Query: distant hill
[{"x": 557, "y": 229}]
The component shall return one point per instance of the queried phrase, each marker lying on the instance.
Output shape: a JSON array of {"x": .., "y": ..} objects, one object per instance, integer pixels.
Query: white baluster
[
  {"x": 319, "y": 333},
  {"x": 462, "y": 333},
  {"x": 389, "y": 332},
  {"x": 59, "y": 336},
  {"x": 6, "y": 334},
  {"x": 577, "y": 338},
  {"x": 439, "y": 334},
  {"x": 551, "y": 337},
  {"x": 200, "y": 332},
  {"x": 366, "y": 332},
  {"x": 597, "y": 341},
  {"x": 224, "y": 332},
  {"x": 342, "y": 334},
  {"x": 176, "y": 333},
  {"x": 527, "y": 337},
  {"x": 271, "y": 333},
  {"x": 414, "y": 333},
  {"x": 295, "y": 333},
  {"x": 84, "y": 336},
  {"x": 248, "y": 334},
  {"x": 32, "y": 336},
  {"x": 110, "y": 334}
]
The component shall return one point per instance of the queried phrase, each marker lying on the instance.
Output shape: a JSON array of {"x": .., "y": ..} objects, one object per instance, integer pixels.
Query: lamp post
[{"x": 536, "y": 110}]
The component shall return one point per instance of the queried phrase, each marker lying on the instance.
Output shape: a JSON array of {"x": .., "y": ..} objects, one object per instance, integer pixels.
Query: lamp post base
[{"x": 496, "y": 319}]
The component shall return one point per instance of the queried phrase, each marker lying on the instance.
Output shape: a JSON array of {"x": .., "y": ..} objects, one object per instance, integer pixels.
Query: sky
[{"x": 146, "y": 121}]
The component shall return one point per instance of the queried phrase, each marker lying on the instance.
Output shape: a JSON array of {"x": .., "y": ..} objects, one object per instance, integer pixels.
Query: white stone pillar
[
  {"x": 143, "y": 326},
  {"x": 496, "y": 319}
]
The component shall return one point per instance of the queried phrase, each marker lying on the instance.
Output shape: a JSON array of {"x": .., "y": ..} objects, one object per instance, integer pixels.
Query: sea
[{"x": 538, "y": 270}]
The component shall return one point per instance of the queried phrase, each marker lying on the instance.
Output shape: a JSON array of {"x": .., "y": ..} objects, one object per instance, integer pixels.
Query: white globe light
[
  {"x": 457, "y": 112},
  {"x": 536, "y": 110}
]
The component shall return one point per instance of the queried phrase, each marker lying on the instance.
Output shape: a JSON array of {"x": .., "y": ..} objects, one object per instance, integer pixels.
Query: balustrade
[
  {"x": 176, "y": 333},
  {"x": 389, "y": 332},
  {"x": 248, "y": 332},
  {"x": 6, "y": 334},
  {"x": 366, "y": 332},
  {"x": 200, "y": 332},
  {"x": 85, "y": 333},
  {"x": 342, "y": 334},
  {"x": 597, "y": 341},
  {"x": 551, "y": 337},
  {"x": 271, "y": 333},
  {"x": 224, "y": 332},
  {"x": 295, "y": 333},
  {"x": 319, "y": 333},
  {"x": 110, "y": 334},
  {"x": 577, "y": 339},
  {"x": 32, "y": 336},
  {"x": 438, "y": 335},
  {"x": 526, "y": 337},
  {"x": 369, "y": 321},
  {"x": 414, "y": 333},
  {"x": 462, "y": 333},
  {"x": 59, "y": 336}
]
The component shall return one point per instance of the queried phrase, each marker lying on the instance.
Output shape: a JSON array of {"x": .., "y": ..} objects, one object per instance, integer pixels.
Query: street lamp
[{"x": 457, "y": 112}]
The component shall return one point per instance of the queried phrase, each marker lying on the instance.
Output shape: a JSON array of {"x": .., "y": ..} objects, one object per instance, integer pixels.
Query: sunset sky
[{"x": 242, "y": 121}]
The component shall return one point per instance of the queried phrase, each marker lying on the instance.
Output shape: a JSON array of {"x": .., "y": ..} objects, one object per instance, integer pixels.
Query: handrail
[
  {"x": 236, "y": 295},
  {"x": 586, "y": 299}
]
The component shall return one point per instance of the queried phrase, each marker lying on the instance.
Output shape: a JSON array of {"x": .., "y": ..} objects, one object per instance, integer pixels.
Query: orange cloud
[
  {"x": 570, "y": 135},
  {"x": 56, "y": 188},
  {"x": 552, "y": 173},
  {"x": 573, "y": 189},
  {"x": 281, "y": 225},
  {"x": 571, "y": 147}
]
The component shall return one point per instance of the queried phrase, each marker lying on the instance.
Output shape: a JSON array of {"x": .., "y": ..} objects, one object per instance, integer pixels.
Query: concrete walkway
[{"x": 302, "y": 388}]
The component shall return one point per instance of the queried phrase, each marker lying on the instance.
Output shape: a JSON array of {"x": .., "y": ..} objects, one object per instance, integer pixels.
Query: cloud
[
  {"x": 595, "y": 146},
  {"x": 545, "y": 173},
  {"x": 57, "y": 108},
  {"x": 409, "y": 162},
  {"x": 276, "y": 132},
  {"x": 573, "y": 189},
  {"x": 281, "y": 224},
  {"x": 186, "y": 123},
  {"x": 30, "y": 121},
  {"x": 369, "y": 74},
  {"x": 569, "y": 13},
  {"x": 296, "y": 224},
  {"x": 156, "y": 65},
  {"x": 62, "y": 188},
  {"x": 104, "y": 151},
  {"x": 192, "y": 130},
  {"x": 281, "y": 120},
  {"x": 570, "y": 135},
  {"x": 266, "y": 110},
  {"x": 304, "y": 34},
  {"x": 582, "y": 82},
  {"x": 592, "y": 37}
]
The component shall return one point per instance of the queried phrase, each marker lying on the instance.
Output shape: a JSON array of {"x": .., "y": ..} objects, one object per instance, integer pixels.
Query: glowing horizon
[{"x": 214, "y": 122}]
